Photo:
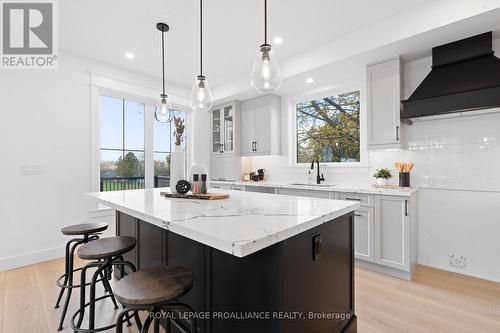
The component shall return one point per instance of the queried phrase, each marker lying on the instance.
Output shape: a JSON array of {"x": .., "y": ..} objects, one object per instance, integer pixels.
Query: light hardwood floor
[{"x": 435, "y": 301}]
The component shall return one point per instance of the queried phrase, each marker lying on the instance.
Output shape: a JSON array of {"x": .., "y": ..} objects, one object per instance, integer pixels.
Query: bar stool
[
  {"x": 89, "y": 232},
  {"x": 106, "y": 253},
  {"x": 155, "y": 290}
]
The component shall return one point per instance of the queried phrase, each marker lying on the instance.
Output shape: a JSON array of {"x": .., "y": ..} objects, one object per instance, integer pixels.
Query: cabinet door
[
  {"x": 216, "y": 131},
  {"x": 228, "y": 126},
  {"x": 325, "y": 254},
  {"x": 363, "y": 234},
  {"x": 248, "y": 125},
  {"x": 383, "y": 97},
  {"x": 392, "y": 232},
  {"x": 217, "y": 168},
  {"x": 263, "y": 121},
  {"x": 127, "y": 225}
]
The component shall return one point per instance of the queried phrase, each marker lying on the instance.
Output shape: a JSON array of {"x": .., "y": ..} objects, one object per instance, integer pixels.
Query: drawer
[
  {"x": 305, "y": 193},
  {"x": 219, "y": 185},
  {"x": 260, "y": 189},
  {"x": 366, "y": 200},
  {"x": 238, "y": 187}
]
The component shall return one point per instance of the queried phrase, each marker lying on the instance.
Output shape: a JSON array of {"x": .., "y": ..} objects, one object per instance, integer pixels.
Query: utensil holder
[{"x": 404, "y": 179}]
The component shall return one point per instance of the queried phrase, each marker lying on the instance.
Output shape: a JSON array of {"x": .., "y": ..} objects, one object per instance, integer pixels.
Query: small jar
[
  {"x": 203, "y": 186},
  {"x": 196, "y": 184}
]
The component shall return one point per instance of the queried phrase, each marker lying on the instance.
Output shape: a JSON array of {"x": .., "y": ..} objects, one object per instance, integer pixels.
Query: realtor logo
[{"x": 28, "y": 35}]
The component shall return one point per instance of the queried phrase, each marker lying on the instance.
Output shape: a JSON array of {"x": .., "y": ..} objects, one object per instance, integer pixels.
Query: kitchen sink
[{"x": 314, "y": 185}]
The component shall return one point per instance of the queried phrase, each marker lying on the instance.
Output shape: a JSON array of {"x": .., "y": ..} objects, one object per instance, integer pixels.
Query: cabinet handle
[
  {"x": 353, "y": 199},
  {"x": 406, "y": 207},
  {"x": 358, "y": 215},
  {"x": 397, "y": 133},
  {"x": 255, "y": 145},
  {"x": 316, "y": 247}
]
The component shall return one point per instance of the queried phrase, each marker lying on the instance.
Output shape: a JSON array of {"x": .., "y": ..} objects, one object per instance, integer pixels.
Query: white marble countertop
[
  {"x": 367, "y": 189},
  {"x": 241, "y": 225}
]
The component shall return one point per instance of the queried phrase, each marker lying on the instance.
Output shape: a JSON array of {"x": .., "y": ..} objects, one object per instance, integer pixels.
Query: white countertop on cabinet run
[
  {"x": 368, "y": 189},
  {"x": 241, "y": 225}
]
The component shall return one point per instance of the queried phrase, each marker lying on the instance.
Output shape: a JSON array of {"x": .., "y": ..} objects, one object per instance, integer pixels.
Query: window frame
[{"x": 319, "y": 94}]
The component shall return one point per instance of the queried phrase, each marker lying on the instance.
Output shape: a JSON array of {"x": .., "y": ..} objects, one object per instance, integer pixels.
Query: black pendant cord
[
  {"x": 201, "y": 37},
  {"x": 163, "y": 59},
  {"x": 265, "y": 21}
]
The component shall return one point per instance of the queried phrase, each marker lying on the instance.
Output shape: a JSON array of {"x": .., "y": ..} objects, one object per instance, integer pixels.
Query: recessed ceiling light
[
  {"x": 129, "y": 55},
  {"x": 309, "y": 80},
  {"x": 278, "y": 40}
]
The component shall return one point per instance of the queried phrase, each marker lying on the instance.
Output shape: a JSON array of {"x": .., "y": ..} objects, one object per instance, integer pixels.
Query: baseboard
[
  {"x": 457, "y": 271},
  {"x": 383, "y": 269},
  {"x": 31, "y": 258}
]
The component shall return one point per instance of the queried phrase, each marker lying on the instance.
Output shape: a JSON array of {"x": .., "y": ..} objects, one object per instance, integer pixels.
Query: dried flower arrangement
[{"x": 179, "y": 130}]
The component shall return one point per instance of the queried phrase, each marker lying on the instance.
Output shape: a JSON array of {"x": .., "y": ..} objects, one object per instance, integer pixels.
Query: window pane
[
  {"x": 109, "y": 163},
  {"x": 131, "y": 165},
  {"x": 162, "y": 164},
  {"x": 328, "y": 129},
  {"x": 134, "y": 125},
  {"x": 161, "y": 169},
  {"x": 162, "y": 137},
  {"x": 111, "y": 122}
]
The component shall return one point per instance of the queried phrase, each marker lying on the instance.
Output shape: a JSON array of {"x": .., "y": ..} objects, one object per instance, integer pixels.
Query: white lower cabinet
[
  {"x": 363, "y": 234},
  {"x": 385, "y": 228},
  {"x": 392, "y": 232}
]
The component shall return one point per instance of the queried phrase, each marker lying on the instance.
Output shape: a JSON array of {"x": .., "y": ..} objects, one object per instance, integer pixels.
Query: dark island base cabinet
[{"x": 311, "y": 273}]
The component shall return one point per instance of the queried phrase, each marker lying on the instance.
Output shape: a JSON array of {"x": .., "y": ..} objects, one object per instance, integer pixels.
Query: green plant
[{"x": 383, "y": 173}]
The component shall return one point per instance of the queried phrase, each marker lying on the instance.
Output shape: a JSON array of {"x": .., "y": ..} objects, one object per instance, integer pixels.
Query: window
[
  {"x": 122, "y": 144},
  {"x": 327, "y": 129},
  {"x": 163, "y": 143},
  {"x": 123, "y": 152}
]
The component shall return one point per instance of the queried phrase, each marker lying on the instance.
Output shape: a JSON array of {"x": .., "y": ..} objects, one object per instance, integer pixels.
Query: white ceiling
[{"x": 233, "y": 30}]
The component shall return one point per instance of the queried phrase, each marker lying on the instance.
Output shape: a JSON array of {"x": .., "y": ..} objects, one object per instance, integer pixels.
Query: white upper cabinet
[
  {"x": 384, "y": 103},
  {"x": 260, "y": 126},
  {"x": 224, "y": 129}
]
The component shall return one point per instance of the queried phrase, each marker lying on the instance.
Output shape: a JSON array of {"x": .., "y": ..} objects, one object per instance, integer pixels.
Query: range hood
[{"x": 465, "y": 76}]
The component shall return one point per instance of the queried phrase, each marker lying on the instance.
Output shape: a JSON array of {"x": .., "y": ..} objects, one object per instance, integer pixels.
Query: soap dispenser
[{"x": 309, "y": 177}]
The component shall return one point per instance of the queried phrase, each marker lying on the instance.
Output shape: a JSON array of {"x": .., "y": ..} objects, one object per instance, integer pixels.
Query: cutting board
[{"x": 208, "y": 196}]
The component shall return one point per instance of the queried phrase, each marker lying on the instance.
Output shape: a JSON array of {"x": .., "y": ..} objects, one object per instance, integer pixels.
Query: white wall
[
  {"x": 45, "y": 121},
  {"x": 456, "y": 170}
]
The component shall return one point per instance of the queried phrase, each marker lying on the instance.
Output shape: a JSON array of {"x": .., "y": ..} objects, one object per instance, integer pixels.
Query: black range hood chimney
[{"x": 465, "y": 76}]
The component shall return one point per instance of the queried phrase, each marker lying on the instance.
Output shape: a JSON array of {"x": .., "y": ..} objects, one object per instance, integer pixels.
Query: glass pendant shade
[
  {"x": 201, "y": 96},
  {"x": 163, "y": 111},
  {"x": 266, "y": 75}
]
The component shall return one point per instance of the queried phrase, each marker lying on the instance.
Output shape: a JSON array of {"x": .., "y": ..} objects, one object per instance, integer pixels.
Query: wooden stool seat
[
  {"x": 106, "y": 247},
  {"x": 154, "y": 286},
  {"x": 84, "y": 228}
]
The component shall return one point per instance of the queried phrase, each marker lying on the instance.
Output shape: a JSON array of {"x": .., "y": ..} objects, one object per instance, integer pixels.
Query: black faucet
[{"x": 319, "y": 177}]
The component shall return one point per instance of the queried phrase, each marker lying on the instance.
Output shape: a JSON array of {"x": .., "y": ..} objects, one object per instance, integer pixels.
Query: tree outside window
[{"x": 328, "y": 129}]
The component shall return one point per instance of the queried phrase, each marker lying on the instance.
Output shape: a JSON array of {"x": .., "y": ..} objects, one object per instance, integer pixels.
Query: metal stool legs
[
  {"x": 68, "y": 276},
  {"x": 102, "y": 269}
]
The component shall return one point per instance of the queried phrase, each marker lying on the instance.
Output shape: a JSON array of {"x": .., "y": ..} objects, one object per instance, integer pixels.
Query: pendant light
[
  {"x": 163, "y": 111},
  {"x": 201, "y": 97},
  {"x": 266, "y": 76}
]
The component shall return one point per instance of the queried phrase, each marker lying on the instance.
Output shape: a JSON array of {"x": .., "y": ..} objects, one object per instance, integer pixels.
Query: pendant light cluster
[{"x": 266, "y": 76}]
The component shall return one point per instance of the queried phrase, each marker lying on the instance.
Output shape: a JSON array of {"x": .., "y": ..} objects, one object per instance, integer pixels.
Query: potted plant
[{"x": 382, "y": 175}]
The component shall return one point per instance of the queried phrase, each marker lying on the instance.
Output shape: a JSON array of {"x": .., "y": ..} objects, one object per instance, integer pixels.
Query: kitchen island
[{"x": 262, "y": 263}]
